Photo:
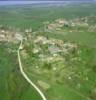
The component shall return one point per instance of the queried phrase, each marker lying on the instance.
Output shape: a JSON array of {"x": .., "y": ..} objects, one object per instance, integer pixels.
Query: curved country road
[{"x": 25, "y": 76}]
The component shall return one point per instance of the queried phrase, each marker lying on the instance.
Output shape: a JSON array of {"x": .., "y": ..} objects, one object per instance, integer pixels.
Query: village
[
  {"x": 48, "y": 50},
  {"x": 50, "y": 56},
  {"x": 52, "y": 60},
  {"x": 9, "y": 34}
]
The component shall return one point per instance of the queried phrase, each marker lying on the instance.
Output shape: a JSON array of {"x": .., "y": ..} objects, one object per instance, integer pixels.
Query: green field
[{"x": 81, "y": 72}]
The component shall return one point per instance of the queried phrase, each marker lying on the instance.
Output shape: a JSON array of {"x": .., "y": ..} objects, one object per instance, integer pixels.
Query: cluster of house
[
  {"x": 9, "y": 35},
  {"x": 54, "y": 46},
  {"x": 2, "y": 35},
  {"x": 92, "y": 28},
  {"x": 82, "y": 22},
  {"x": 59, "y": 23}
]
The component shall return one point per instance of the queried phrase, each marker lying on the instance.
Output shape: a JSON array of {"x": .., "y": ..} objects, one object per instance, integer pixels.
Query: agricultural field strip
[
  {"x": 26, "y": 77},
  {"x": 78, "y": 93}
]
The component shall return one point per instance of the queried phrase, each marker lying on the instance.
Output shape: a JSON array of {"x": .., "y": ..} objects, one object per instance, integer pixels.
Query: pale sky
[{"x": 11, "y": 2}]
